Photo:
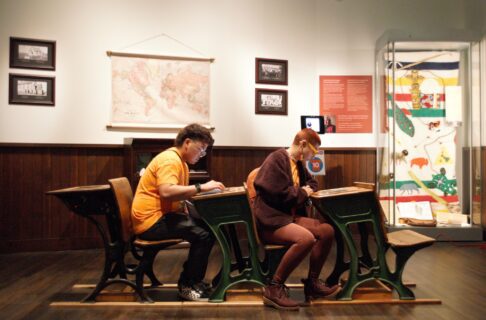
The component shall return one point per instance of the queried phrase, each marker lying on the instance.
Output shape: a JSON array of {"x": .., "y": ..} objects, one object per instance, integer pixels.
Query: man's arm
[{"x": 173, "y": 192}]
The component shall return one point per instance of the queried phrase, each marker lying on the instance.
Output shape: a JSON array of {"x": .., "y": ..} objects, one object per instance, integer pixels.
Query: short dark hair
[{"x": 195, "y": 132}]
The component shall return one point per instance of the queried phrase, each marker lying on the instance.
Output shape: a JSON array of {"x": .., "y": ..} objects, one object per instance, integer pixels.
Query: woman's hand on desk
[
  {"x": 211, "y": 185},
  {"x": 308, "y": 190}
]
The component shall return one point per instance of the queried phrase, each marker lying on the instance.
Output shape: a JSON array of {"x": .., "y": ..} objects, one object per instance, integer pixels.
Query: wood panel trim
[
  {"x": 60, "y": 145},
  {"x": 118, "y": 146}
]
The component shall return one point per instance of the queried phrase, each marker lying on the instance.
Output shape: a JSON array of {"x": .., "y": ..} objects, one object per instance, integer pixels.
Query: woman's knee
[
  {"x": 306, "y": 239},
  {"x": 326, "y": 232}
]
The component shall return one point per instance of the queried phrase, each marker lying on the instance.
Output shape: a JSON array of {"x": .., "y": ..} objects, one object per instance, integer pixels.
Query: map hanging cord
[{"x": 119, "y": 53}]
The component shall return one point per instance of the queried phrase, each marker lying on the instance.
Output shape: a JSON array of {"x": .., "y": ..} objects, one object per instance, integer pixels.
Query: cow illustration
[
  {"x": 409, "y": 188},
  {"x": 419, "y": 162}
]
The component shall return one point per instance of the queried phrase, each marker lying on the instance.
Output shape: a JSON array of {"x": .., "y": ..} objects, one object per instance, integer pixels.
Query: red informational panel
[{"x": 345, "y": 103}]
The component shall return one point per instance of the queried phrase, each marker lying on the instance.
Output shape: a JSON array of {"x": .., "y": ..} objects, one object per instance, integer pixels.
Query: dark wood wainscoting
[
  {"x": 32, "y": 221},
  {"x": 343, "y": 166}
]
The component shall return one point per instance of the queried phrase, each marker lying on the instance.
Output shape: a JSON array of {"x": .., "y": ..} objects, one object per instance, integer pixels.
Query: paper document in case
[{"x": 416, "y": 210}]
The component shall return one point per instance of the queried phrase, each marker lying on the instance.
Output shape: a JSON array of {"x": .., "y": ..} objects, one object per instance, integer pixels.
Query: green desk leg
[
  {"x": 219, "y": 212},
  {"x": 379, "y": 268},
  {"x": 252, "y": 273},
  {"x": 382, "y": 271},
  {"x": 402, "y": 256},
  {"x": 353, "y": 280},
  {"x": 340, "y": 266},
  {"x": 224, "y": 280}
]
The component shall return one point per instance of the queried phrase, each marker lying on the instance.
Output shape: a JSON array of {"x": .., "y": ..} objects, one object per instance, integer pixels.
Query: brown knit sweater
[{"x": 276, "y": 193}]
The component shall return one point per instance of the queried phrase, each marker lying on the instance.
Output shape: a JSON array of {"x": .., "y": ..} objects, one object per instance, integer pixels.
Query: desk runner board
[
  {"x": 230, "y": 191},
  {"x": 242, "y": 297},
  {"x": 340, "y": 192}
]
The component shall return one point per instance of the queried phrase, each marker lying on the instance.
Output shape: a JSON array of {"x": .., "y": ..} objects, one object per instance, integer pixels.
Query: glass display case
[{"x": 428, "y": 158}]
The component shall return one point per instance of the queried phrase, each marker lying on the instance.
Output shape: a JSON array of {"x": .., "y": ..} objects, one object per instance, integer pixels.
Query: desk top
[
  {"x": 80, "y": 189},
  {"x": 88, "y": 200},
  {"x": 231, "y": 191},
  {"x": 338, "y": 192}
]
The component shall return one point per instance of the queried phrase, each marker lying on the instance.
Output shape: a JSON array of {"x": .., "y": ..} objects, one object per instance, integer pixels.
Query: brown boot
[
  {"x": 277, "y": 296},
  {"x": 316, "y": 288}
]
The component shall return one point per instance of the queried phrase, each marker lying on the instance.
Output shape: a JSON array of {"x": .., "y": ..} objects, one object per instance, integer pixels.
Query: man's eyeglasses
[{"x": 202, "y": 151}]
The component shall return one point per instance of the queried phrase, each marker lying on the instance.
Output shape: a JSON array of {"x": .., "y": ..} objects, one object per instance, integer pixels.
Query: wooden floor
[{"x": 30, "y": 283}]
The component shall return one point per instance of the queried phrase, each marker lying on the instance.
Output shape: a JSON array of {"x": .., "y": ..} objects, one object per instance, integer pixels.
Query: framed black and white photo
[
  {"x": 29, "y": 89},
  {"x": 269, "y": 101},
  {"x": 32, "y": 54},
  {"x": 271, "y": 71}
]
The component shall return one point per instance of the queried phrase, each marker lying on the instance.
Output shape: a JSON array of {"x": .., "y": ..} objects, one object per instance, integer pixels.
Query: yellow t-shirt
[
  {"x": 295, "y": 178},
  {"x": 166, "y": 168},
  {"x": 295, "y": 172}
]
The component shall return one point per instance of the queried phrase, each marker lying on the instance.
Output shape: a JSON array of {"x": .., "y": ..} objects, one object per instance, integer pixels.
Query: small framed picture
[
  {"x": 271, "y": 71},
  {"x": 32, "y": 54},
  {"x": 269, "y": 101},
  {"x": 29, "y": 89}
]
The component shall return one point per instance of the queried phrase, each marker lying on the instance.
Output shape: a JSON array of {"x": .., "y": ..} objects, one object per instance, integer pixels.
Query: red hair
[{"x": 308, "y": 135}]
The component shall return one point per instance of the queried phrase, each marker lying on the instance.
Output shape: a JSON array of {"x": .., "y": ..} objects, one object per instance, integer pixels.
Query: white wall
[
  {"x": 347, "y": 32},
  {"x": 317, "y": 37}
]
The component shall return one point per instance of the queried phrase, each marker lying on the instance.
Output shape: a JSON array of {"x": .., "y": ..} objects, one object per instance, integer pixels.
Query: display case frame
[{"x": 429, "y": 134}]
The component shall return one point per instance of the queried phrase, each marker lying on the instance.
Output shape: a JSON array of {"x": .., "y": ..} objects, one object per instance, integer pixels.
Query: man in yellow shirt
[{"x": 158, "y": 210}]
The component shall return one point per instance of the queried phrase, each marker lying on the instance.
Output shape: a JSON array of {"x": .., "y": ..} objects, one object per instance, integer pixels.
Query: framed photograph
[
  {"x": 271, "y": 71},
  {"x": 330, "y": 123},
  {"x": 269, "y": 101},
  {"x": 28, "y": 89},
  {"x": 32, "y": 54}
]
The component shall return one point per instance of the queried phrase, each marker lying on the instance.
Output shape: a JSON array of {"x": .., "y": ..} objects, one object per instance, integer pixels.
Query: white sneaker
[{"x": 190, "y": 293}]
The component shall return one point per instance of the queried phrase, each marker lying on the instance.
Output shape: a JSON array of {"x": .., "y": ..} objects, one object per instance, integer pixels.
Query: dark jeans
[{"x": 195, "y": 231}]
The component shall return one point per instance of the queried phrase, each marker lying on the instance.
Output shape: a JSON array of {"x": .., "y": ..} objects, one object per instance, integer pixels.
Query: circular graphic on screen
[{"x": 315, "y": 165}]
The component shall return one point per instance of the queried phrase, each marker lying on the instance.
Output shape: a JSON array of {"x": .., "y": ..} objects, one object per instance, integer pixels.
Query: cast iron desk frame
[
  {"x": 225, "y": 210},
  {"x": 98, "y": 200},
  {"x": 357, "y": 205}
]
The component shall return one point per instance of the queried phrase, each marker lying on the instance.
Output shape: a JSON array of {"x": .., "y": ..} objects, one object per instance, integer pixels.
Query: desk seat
[{"x": 408, "y": 238}]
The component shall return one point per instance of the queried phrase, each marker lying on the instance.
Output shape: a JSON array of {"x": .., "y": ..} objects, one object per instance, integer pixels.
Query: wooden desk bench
[{"x": 358, "y": 205}]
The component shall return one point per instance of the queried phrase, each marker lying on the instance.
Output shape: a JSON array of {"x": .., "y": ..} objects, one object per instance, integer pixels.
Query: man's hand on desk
[{"x": 211, "y": 185}]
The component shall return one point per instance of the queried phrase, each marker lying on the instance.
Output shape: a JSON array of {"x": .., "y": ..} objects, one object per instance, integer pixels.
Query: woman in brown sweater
[{"x": 283, "y": 186}]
